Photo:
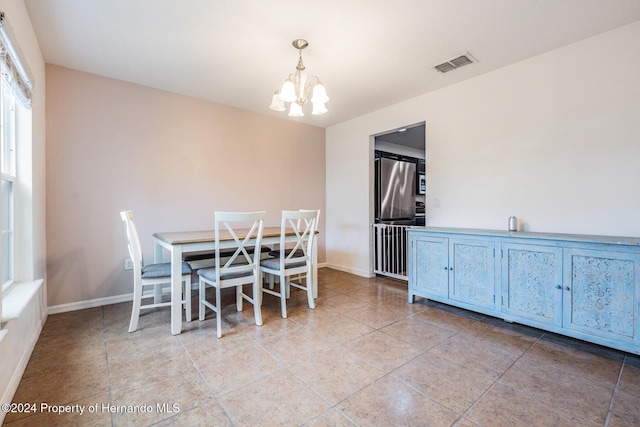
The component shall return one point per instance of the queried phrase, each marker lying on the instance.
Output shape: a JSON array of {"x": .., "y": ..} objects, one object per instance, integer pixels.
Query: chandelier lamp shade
[{"x": 296, "y": 89}]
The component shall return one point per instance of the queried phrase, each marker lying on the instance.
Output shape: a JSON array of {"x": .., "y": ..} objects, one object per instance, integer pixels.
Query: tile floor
[{"x": 363, "y": 357}]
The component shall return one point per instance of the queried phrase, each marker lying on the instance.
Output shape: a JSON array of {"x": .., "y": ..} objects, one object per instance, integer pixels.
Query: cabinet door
[
  {"x": 532, "y": 282},
  {"x": 430, "y": 263},
  {"x": 600, "y": 293},
  {"x": 472, "y": 272}
]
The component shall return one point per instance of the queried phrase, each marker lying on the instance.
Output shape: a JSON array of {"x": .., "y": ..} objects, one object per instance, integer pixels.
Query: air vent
[{"x": 452, "y": 64}]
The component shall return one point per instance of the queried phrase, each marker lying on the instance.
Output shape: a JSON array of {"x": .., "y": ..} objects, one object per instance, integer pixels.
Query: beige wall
[{"x": 173, "y": 160}]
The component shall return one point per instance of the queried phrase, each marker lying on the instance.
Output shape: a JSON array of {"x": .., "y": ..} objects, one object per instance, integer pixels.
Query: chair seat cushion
[
  {"x": 200, "y": 255},
  {"x": 210, "y": 274},
  {"x": 276, "y": 252},
  {"x": 274, "y": 263},
  {"x": 154, "y": 271}
]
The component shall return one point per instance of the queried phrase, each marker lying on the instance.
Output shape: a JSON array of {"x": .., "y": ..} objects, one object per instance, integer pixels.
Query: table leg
[
  {"x": 176, "y": 289},
  {"x": 157, "y": 258}
]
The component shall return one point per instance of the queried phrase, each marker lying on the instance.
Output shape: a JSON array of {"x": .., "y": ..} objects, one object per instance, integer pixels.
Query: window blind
[{"x": 16, "y": 73}]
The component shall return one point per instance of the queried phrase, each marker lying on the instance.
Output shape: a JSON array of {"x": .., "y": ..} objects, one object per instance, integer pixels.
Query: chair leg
[
  {"x": 257, "y": 299},
  {"x": 312, "y": 303},
  {"x": 218, "y": 313},
  {"x": 283, "y": 295},
  {"x": 157, "y": 294},
  {"x": 239, "y": 298},
  {"x": 187, "y": 297},
  {"x": 135, "y": 311},
  {"x": 201, "y": 297}
]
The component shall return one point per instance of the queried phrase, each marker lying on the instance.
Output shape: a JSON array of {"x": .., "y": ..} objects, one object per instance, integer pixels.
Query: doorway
[{"x": 399, "y": 195}]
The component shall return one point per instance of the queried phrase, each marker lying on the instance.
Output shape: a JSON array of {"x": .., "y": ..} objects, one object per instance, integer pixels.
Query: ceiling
[
  {"x": 368, "y": 53},
  {"x": 410, "y": 136}
]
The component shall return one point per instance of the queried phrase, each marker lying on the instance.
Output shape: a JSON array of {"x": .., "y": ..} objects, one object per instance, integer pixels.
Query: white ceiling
[{"x": 369, "y": 53}]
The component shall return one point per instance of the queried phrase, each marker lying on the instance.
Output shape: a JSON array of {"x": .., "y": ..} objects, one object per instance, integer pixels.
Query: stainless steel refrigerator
[{"x": 395, "y": 189}]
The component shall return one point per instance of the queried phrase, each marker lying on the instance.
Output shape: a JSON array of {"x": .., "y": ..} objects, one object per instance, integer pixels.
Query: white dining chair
[
  {"x": 295, "y": 260},
  {"x": 276, "y": 252},
  {"x": 239, "y": 269},
  {"x": 155, "y": 275}
]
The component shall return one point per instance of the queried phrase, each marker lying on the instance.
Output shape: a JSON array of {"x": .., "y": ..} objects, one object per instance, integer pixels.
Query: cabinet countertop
[{"x": 610, "y": 240}]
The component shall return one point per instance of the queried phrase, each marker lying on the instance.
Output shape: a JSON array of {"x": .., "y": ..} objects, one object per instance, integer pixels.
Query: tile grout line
[
  {"x": 464, "y": 414},
  {"x": 106, "y": 356},
  {"x": 206, "y": 383},
  {"x": 614, "y": 393}
]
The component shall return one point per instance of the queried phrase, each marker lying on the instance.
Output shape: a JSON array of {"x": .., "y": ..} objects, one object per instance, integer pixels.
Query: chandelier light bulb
[
  {"x": 277, "y": 104},
  {"x": 295, "y": 110},
  {"x": 288, "y": 91},
  {"x": 319, "y": 108},
  {"x": 319, "y": 94}
]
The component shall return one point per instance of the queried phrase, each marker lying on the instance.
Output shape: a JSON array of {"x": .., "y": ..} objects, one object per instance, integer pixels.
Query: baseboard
[
  {"x": 361, "y": 273},
  {"x": 99, "y": 302},
  {"x": 81, "y": 305}
]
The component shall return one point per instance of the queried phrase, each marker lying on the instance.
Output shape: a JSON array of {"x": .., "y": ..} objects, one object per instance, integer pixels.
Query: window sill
[{"x": 16, "y": 299}]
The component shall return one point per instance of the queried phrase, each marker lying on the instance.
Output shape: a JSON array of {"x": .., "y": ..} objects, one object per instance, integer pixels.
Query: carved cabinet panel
[
  {"x": 431, "y": 265},
  {"x": 532, "y": 282},
  {"x": 600, "y": 293},
  {"x": 472, "y": 272}
]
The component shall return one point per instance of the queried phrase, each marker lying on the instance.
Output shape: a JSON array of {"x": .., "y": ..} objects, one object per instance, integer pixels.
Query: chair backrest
[
  {"x": 303, "y": 225},
  {"x": 317, "y": 216},
  {"x": 245, "y": 228},
  {"x": 133, "y": 241}
]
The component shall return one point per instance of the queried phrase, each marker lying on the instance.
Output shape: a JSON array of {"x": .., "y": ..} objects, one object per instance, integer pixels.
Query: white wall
[{"x": 553, "y": 140}]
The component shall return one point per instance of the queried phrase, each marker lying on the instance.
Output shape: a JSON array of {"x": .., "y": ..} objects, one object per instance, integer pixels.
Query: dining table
[{"x": 177, "y": 243}]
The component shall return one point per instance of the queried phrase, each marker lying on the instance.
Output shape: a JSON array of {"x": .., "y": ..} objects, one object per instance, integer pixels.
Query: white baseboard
[
  {"x": 361, "y": 273},
  {"x": 99, "y": 302},
  {"x": 81, "y": 305}
]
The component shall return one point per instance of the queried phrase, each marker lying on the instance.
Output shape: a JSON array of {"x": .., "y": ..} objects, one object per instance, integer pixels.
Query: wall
[
  {"x": 22, "y": 332},
  {"x": 173, "y": 160},
  {"x": 552, "y": 140}
]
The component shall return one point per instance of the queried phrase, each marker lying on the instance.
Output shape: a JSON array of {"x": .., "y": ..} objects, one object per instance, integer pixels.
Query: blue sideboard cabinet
[{"x": 586, "y": 287}]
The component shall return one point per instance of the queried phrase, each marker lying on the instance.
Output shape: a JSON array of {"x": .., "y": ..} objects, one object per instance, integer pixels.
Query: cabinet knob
[
  {"x": 446, "y": 268},
  {"x": 566, "y": 288},
  {"x": 558, "y": 287}
]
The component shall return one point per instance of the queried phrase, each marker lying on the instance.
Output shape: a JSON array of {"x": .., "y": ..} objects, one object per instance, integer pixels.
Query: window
[
  {"x": 8, "y": 142},
  {"x": 15, "y": 137}
]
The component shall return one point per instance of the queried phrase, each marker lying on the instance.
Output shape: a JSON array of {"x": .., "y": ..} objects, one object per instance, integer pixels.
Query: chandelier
[{"x": 295, "y": 90}]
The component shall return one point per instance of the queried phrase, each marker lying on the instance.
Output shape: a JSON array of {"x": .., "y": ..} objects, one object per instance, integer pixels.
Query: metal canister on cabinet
[{"x": 513, "y": 223}]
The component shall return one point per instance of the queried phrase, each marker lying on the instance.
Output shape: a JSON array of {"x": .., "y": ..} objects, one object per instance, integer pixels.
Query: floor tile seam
[
  {"x": 496, "y": 381},
  {"x": 585, "y": 422},
  {"x": 421, "y": 352},
  {"x": 421, "y": 393},
  {"x": 177, "y": 414},
  {"x": 106, "y": 355},
  {"x": 614, "y": 394},
  {"x": 35, "y": 414},
  {"x": 578, "y": 375},
  {"x": 544, "y": 402},
  {"x": 310, "y": 387},
  {"x": 214, "y": 397},
  {"x": 276, "y": 359},
  {"x": 456, "y": 331},
  {"x": 368, "y": 325},
  {"x": 498, "y": 348}
]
